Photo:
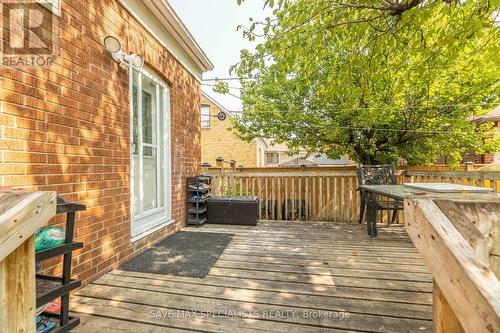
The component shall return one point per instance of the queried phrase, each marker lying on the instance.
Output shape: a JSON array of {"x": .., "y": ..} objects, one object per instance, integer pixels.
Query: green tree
[{"x": 375, "y": 80}]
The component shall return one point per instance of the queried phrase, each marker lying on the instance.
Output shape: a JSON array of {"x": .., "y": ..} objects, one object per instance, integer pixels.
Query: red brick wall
[{"x": 66, "y": 129}]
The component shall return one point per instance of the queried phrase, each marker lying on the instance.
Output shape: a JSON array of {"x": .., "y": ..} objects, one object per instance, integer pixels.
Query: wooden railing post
[
  {"x": 220, "y": 162},
  {"x": 205, "y": 167}
]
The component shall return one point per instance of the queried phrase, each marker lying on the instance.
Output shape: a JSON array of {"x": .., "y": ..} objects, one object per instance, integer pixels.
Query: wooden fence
[{"x": 321, "y": 194}]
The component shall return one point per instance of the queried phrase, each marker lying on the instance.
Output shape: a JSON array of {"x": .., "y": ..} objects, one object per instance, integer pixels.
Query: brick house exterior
[
  {"x": 67, "y": 128},
  {"x": 218, "y": 141},
  {"x": 494, "y": 117}
]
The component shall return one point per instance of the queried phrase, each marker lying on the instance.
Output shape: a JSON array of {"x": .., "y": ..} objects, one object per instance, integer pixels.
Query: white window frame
[
  {"x": 268, "y": 154},
  {"x": 202, "y": 115},
  {"x": 145, "y": 223}
]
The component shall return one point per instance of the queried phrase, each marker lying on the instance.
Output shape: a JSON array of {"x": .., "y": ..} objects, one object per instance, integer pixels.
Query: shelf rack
[
  {"x": 49, "y": 288},
  {"x": 198, "y": 190}
]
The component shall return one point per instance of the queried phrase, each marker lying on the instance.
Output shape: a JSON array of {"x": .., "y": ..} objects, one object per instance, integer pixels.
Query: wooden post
[
  {"x": 220, "y": 162},
  {"x": 21, "y": 215},
  {"x": 443, "y": 317},
  {"x": 18, "y": 290},
  {"x": 205, "y": 167}
]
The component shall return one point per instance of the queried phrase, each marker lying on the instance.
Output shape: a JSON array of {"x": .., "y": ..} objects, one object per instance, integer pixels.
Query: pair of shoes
[
  {"x": 43, "y": 325},
  {"x": 201, "y": 186}
]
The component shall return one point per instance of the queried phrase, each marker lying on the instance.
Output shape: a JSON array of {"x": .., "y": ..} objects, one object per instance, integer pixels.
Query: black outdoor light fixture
[
  {"x": 113, "y": 45},
  {"x": 221, "y": 116}
]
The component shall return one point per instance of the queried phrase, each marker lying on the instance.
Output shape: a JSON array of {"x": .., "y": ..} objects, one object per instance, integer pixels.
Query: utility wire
[
  {"x": 380, "y": 129},
  {"x": 235, "y": 78},
  {"x": 368, "y": 108}
]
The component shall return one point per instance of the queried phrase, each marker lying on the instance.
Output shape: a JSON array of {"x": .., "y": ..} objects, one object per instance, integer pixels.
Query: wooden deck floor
[{"x": 275, "y": 277}]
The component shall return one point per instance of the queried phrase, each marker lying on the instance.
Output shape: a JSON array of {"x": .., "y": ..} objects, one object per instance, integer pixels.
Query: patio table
[{"x": 400, "y": 192}]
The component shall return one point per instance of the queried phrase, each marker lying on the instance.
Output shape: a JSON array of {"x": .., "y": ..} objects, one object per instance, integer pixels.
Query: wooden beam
[
  {"x": 443, "y": 316},
  {"x": 18, "y": 290},
  {"x": 479, "y": 223},
  {"x": 470, "y": 288},
  {"x": 21, "y": 215}
]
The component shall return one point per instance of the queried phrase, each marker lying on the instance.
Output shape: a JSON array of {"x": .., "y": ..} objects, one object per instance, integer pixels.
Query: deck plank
[
  {"x": 268, "y": 297},
  {"x": 264, "y": 312},
  {"x": 393, "y": 296},
  {"x": 326, "y": 268}
]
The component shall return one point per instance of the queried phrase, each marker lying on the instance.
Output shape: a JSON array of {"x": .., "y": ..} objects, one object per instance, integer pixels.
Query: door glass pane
[
  {"x": 149, "y": 178},
  {"x": 149, "y": 109}
]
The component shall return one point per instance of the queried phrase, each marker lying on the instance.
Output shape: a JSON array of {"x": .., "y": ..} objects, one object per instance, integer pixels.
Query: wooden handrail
[
  {"x": 21, "y": 215},
  {"x": 463, "y": 264}
]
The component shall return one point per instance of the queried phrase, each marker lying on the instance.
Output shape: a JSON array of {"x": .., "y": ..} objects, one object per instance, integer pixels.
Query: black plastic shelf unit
[
  {"x": 198, "y": 190},
  {"x": 49, "y": 288}
]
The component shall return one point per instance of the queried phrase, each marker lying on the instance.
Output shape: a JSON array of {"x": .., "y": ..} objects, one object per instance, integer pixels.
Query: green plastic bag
[{"x": 49, "y": 237}]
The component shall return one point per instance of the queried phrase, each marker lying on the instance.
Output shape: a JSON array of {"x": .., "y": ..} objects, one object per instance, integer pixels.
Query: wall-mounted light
[
  {"x": 113, "y": 45},
  {"x": 221, "y": 116}
]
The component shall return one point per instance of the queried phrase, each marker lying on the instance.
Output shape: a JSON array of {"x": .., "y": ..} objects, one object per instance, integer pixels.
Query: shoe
[{"x": 44, "y": 325}]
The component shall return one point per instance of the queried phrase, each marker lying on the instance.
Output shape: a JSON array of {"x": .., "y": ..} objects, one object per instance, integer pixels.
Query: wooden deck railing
[
  {"x": 473, "y": 178},
  {"x": 460, "y": 243},
  {"x": 321, "y": 194}
]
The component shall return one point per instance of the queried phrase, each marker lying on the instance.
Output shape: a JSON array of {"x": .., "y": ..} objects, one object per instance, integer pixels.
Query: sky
[{"x": 213, "y": 24}]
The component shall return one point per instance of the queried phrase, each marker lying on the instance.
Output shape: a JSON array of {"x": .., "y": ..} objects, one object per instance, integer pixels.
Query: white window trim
[
  {"x": 201, "y": 116},
  {"x": 157, "y": 220}
]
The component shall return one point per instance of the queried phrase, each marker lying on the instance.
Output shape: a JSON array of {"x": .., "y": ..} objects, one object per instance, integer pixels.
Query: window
[
  {"x": 150, "y": 153},
  {"x": 205, "y": 116},
  {"x": 272, "y": 158}
]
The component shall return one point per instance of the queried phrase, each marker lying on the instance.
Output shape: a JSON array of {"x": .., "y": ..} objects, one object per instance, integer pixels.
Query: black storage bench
[{"x": 233, "y": 210}]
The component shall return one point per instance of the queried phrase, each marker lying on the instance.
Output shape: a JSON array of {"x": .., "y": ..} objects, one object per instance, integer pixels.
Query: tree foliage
[{"x": 375, "y": 80}]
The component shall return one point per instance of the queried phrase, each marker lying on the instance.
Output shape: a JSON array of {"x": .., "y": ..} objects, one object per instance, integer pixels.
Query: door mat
[{"x": 190, "y": 254}]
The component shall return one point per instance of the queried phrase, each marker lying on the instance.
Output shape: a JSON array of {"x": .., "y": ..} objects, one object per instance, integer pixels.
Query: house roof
[
  {"x": 493, "y": 115},
  {"x": 298, "y": 162},
  {"x": 170, "y": 21},
  {"x": 229, "y": 113}
]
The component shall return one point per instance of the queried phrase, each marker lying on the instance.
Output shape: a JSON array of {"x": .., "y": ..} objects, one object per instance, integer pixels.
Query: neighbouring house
[
  {"x": 217, "y": 140},
  {"x": 494, "y": 117},
  {"x": 74, "y": 127},
  {"x": 278, "y": 155},
  {"x": 488, "y": 158}
]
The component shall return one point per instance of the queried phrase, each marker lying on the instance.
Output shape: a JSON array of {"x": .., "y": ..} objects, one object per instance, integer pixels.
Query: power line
[
  {"x": 235, "y": 78},
  {"x": 367, "y": 108},
  {"x": 380, "y": 129},
  {"x": 213, "y": 85}
]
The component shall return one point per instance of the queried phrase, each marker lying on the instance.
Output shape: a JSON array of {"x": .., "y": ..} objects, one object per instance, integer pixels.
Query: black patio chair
[{"x": 378, "y": 175}]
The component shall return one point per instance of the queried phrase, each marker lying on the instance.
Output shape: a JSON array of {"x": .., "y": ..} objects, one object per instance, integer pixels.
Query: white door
[{"x": 150, "y": 160}]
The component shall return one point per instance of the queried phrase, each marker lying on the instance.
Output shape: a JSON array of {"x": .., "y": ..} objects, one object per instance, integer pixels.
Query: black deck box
[{"x": 233, "y": 210}]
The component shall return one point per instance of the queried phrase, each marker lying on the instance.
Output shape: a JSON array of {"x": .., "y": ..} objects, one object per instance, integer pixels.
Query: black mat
[{"x": 190, "y": 254}]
